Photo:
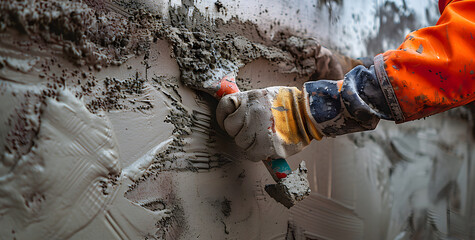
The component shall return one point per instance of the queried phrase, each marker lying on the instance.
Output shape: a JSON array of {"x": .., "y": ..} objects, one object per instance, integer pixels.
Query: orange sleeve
[
  {"x": 433, "y": 70},
  {"x": 443, "y": 4}
]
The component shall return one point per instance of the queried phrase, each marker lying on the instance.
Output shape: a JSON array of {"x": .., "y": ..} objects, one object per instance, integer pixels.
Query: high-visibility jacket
[{"x": 432, "y": 71}]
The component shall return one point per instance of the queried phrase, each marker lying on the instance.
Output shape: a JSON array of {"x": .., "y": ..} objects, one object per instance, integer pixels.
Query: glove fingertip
[{"x": 226, "y": 106}]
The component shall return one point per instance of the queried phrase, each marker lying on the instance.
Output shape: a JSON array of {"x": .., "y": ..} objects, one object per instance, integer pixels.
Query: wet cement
[
  {"x": 87, "y": 36},
  {"x": 92, "y": 34}
]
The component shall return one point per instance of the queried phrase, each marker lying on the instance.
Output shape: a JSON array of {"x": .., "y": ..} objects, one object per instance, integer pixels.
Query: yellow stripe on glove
[{"x": 271, "y": 122}]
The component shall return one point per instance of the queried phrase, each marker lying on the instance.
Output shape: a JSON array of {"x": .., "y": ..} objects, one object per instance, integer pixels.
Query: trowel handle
[
  {"x": 227, "y": 85},
  {"x": 278, "y": 168}
]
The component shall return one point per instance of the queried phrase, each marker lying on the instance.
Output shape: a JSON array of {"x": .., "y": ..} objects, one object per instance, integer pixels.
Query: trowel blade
[{"x": 278, "y": 192}]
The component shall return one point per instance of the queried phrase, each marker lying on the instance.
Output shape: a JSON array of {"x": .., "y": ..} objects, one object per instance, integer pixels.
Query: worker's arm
[
  {"x": 277, "y": 122},
  {"x": 432, "y": 71}
]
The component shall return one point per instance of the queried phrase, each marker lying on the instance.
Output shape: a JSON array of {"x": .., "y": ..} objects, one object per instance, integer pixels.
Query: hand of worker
[{"x": 271, "y": 122}]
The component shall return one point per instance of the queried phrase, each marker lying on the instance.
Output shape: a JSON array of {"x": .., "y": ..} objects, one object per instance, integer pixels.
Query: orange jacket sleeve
[{"x": 433, "y": 70}]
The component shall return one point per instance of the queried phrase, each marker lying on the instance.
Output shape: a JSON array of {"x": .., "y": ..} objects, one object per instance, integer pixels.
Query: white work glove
[{"x": 268, "y": 123}]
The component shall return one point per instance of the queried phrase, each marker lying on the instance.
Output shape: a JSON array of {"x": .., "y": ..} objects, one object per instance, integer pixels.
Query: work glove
[
  {"x": 277, "y": 122},
  {"x": 268, "y": 123}
]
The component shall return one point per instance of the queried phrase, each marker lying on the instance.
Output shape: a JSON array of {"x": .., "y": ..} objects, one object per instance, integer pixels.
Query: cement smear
[{"x": 206, "y": 53}]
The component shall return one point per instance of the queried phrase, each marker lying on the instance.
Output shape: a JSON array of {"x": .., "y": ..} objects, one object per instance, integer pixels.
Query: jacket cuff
[{"x": 387, "y": 88}]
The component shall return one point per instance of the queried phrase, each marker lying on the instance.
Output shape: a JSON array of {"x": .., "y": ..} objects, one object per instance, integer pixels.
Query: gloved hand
[{"x": 271, "y": 122}]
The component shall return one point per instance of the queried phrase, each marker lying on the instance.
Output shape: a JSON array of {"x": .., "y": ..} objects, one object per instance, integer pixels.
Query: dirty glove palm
[{"x": 270, "y": 122}]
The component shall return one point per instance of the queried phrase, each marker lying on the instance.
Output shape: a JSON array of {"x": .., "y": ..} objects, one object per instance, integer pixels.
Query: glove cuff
[
  {"x": 309, "y": 120},
  {"x": 290, "y": 118}
]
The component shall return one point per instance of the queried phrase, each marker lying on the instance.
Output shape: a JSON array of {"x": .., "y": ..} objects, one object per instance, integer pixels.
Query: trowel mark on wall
[
  {"x": 69, "y": 170},
  {"x": 320, "y": 217},
  {"x": 193, "y": 138},
  {"x": 170, "y": 155},
  {"x": 159, "y": 194}
]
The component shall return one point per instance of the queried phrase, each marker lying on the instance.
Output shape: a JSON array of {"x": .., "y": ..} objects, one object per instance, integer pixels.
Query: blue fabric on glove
[{"x": 357, "y": 106}]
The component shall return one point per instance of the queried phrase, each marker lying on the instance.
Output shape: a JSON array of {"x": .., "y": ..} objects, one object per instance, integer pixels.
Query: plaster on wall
[{"x": 102, "y": 138}]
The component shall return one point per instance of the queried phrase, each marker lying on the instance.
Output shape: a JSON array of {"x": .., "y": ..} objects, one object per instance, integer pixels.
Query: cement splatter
[
  {"x": 114, "y": 94},
  {"x": 89, "y": 35}
]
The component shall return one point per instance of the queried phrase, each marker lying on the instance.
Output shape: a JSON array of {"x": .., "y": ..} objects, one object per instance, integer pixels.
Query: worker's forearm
[
  {"x": 354, "y": 104},
  {"x": 433, "y": 70}
]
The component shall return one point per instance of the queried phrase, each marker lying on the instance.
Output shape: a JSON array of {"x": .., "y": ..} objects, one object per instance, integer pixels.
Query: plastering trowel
[{"x": 290, "y": 186}]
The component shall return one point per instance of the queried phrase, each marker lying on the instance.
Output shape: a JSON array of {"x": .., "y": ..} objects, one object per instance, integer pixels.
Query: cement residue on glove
[{"x": 269, "y": 122}]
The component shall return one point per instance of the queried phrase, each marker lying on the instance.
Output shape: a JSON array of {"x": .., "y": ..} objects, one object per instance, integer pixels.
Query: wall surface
[{"x": 103, "y": 138}]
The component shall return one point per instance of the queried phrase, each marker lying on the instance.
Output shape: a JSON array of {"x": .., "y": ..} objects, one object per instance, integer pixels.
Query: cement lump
[
  {"x": 291, "y": 189},
  {"x": 205, "y": 59}
]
